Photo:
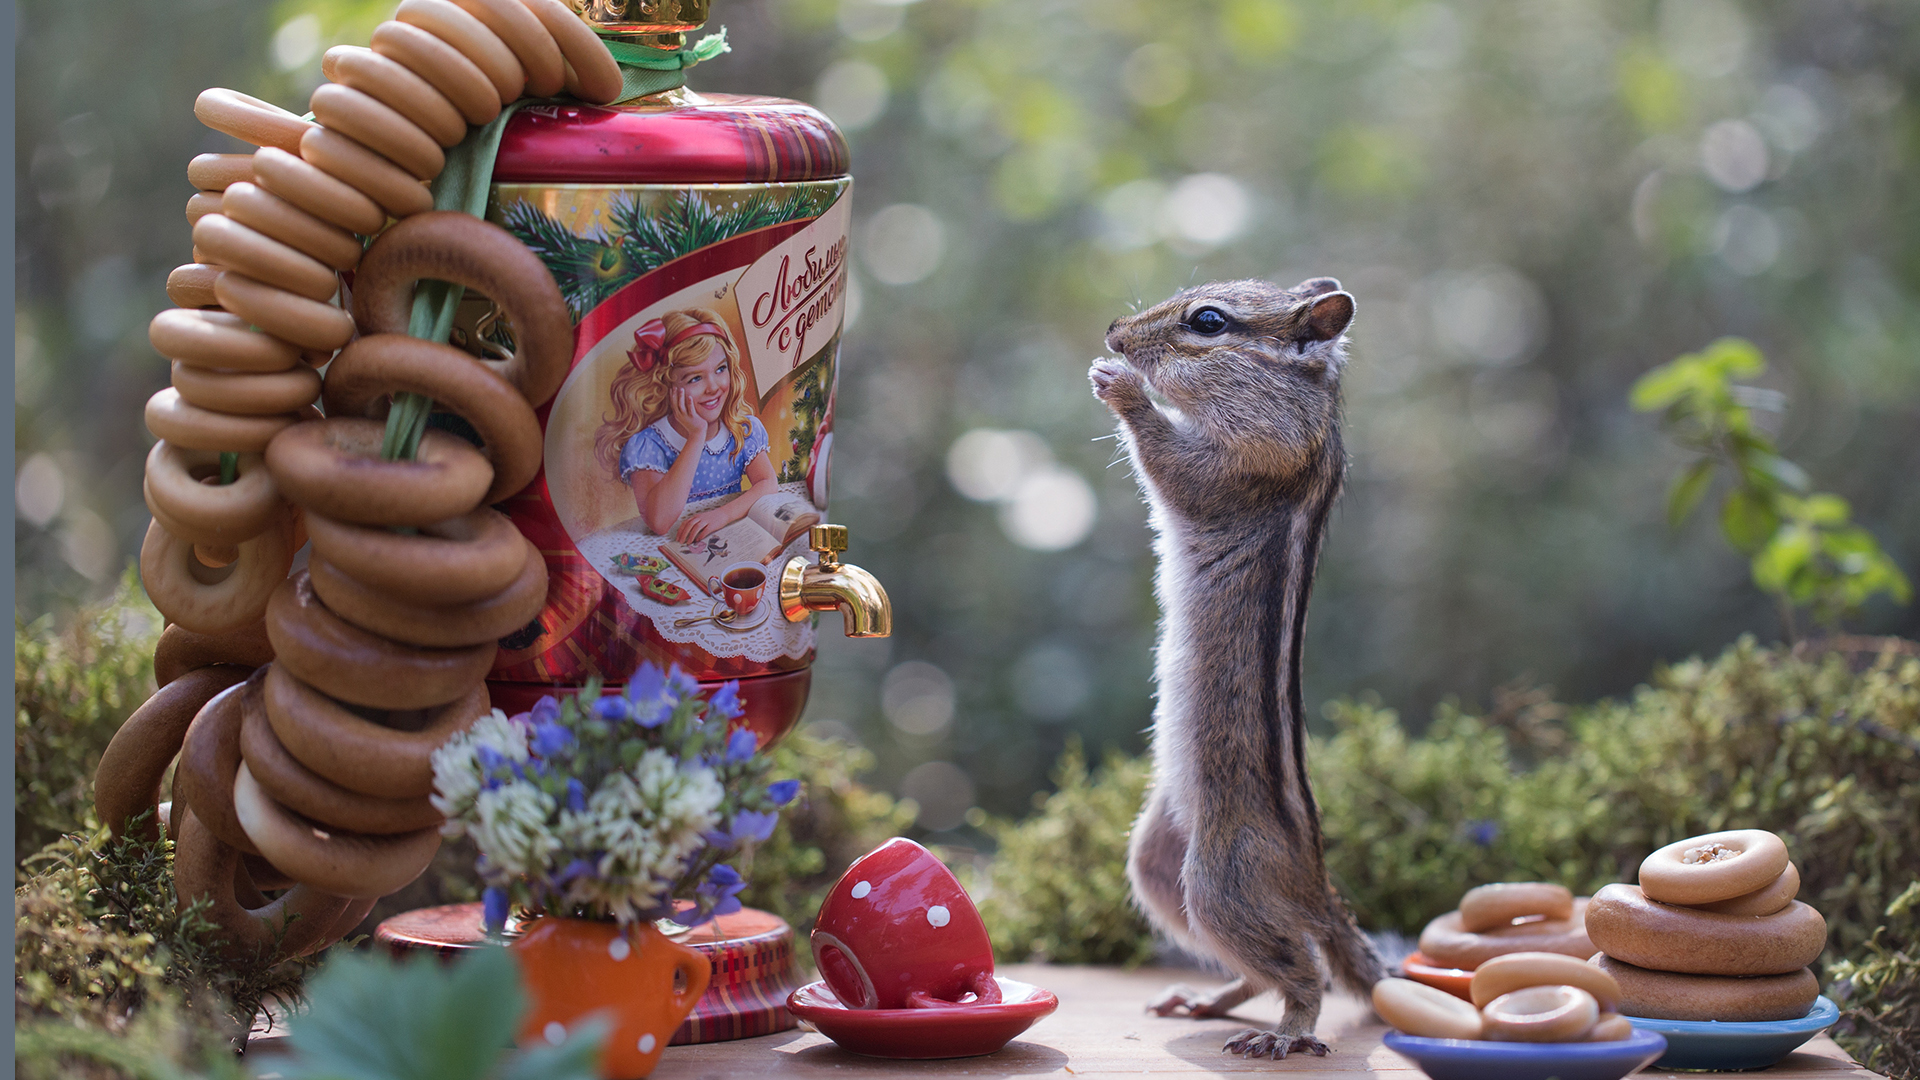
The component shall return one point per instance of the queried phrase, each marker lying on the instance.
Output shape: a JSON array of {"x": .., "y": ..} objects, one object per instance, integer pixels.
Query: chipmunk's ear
[
  {"x": 1316, "y": 286},
  {"x": 1328, "y": 318}
]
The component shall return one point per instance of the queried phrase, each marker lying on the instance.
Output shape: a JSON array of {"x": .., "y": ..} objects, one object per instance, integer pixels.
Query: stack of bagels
[
  {"x": 1507, "y": 917},
  {"x": 1712, "y": 932},
  {"x": 309, "y": 774},
  {"x": 1516, "y": 997}
]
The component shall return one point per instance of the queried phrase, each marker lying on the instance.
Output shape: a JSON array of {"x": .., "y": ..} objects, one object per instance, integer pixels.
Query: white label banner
[{"x": 793, "y": 298}]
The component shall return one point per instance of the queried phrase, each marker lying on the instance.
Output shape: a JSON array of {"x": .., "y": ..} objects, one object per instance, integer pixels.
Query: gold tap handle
[{"x": 829, "y": 541}]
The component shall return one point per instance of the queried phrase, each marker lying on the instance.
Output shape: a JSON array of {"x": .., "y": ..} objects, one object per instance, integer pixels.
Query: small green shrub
[
  {"x": 1879, "y": 993},
  {"x": 1057, "y": 888}
]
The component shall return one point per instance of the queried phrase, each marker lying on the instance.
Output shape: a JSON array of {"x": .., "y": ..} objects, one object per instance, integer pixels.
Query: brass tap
[
  {"x": 832, "y": 584},
  {"x": 660, "y": 24}
]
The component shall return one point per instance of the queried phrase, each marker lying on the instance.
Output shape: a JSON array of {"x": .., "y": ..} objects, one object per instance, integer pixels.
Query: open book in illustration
[{"x": 771, "y": 524}]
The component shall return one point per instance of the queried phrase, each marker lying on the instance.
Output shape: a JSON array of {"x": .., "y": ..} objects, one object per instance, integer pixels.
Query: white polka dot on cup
[
  {"x": 861, "y": 889},
  {"x": 647, "y": 1043},
  {"x": 619, "y": 949},
  {"x": 555, "y": 1031},
  {"x": 938, "y": 915}
]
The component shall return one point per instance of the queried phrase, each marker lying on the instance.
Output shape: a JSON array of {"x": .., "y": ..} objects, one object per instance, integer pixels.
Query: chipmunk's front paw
[{"x": 1116, "y": 384}]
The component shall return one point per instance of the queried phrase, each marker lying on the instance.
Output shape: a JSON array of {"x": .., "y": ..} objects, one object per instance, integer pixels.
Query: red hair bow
[{"x": 650, "y": 343}]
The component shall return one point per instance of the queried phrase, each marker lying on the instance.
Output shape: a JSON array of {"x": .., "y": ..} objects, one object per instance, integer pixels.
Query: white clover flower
[
  {"x": 512, "y": 830},
  {"x": 458, "y": 775}
]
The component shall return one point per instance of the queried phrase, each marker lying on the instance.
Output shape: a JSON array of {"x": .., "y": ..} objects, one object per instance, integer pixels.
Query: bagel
[
  {"x": 261, "y": 874},
  {"x": 1517, "y": 971},
  {"x": 233, "y": 245},
  {"x": 218, "y": 340},
  {"x": 297, "y": 320},
  {"x": 351, "y": 665},
  {"x": 300, "y": 921},
  {"x": 1490, "y": 906},
  {"x": 368, "y": 370},
  {"x": 308, "y": 187},
  {"x": 1627, "y": 926},
  {"x": 458, "y": 78},
  {"x": 203, "y": 779},
  {"x": 1425, "y": 1011},
  {"x": 1541, "y": 1014},
  {"x": 380, "y": 128},
  {"x": 592, "y": 74},
  {"x": 184, "y": 424},
  {"x": 397, "y": 192},
  {"x": 1446, "y": 944},
  {"x": 1769, "y": 898},
  {"x": 455, "y": 561},
  {"x": 334, "y": 468},
  {"x": 216, "y": 172},
  {"x": 209, "y": 513},
  {"x": 249, "y": 119},
  {"x": 446, "y": 245},
  {"x": 190, "y": 285},
  {"x": 127, "y": 781},
  {"x": 448, "y": 626},
  {"x": 1666, "y": 995},
  {"x": 1611, "y": 1027},
  {"x": 521, "y": 31},
  {"x": 300, "y": 789},
  {"x": 461, "y": 30},
  {"x": 209, "y": 600},
  {"x": 181, "y": 650},
  {"x": 270, "y": 215},
  {"x": 1713, "y": 867},
  {"x": 336, "y": 861},
  {"x": 361, "y": 755},
  {"x": 272, "y": 394},
  {"x": 398, "y": 88}
]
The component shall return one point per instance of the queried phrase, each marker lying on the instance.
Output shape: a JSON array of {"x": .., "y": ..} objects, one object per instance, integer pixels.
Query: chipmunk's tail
[{"x": 1350, "y": 955}]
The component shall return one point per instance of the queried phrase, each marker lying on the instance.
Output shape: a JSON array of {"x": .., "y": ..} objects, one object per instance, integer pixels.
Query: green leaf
[
  {"x": 1789, "y": 475},
  {"x": 1687, "y": 490},
  {"x": 1734, "y": 358},
  {"x": 1664, "y": 385},
  {"x": 1747, "y": 520},
  {"x": 1781, "y": 567},
  {"x": 372, "y": 1018}
]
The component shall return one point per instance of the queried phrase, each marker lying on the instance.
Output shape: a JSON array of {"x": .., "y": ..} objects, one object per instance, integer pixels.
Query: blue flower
[
  {"x": 783, "y": 791},
  {"x": 680, "y": 685},
  {"x": 521, "y": 719},
  {"x": 550, "y": 739},
  {"x": 1483, "y": 832},
  {"x": 576, "y": 795},
  {"x": 722, "y": 887},
  {"x": 613, "y": 708},
  {"x": 576, "y": 868},
  {"x": 545, "y": 710},
  {"x": 753, "y": 825},
  {"x": 494, "y": 902},
  {"x": 740, "y": 746},
  {"x": 726, "y": 701},
  {"x": 647, "y": 690}
]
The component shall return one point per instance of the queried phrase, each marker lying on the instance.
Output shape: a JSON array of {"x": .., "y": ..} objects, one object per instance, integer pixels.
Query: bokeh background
[{"x": 1534, "y": 201}]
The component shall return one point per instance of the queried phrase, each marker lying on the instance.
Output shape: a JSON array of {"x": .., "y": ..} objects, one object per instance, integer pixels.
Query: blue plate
[
  {"x": 1708, "y": 1044},
  {"x": 1475, "y": 1059}
]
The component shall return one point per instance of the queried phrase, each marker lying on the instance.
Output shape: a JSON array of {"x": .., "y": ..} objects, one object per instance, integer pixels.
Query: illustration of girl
[{"x": 680, "y": 430}]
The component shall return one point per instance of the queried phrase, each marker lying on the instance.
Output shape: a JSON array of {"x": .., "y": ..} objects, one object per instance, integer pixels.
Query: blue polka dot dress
[{"x": 657, "y": 446}]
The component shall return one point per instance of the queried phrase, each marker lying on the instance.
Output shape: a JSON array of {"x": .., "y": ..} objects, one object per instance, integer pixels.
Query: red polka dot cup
[{"x": 898, "y": 932}]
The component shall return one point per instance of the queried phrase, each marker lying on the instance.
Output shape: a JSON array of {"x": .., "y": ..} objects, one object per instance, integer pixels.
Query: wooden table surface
[{"x": 1101, "y": 1030}]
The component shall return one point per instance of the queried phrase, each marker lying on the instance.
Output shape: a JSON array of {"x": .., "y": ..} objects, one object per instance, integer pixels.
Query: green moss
[{"x": 1879, "y": 993}]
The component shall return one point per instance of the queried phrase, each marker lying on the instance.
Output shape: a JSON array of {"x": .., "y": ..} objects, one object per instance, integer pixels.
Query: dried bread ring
[
  {"x": 1611, "y": 1027},
  {"x": 1447, "y": 945},
  {"x": 249, "y": 119},
  {"x": 127, "y": 781},
  {"x": 301, "y": 920},
  {"x": 520, "y": 29},
  {"x": 181, "y": 650},
  {"x": 1713, "y": 867},
  {"x": 380, "y": 128},
  {"x": 397, "y": 87},
  {"x": 208, "y": 755},
  {"x": 358, "y": 754},
  {"x": 348, "y": 664},
  {"x": 1517, "y": 971},
  {"x": 336, "y": 861},
  {"x": 297, "y": 320},
  {"x": 216, "y": 172},
  {"x": 270, "y": 215},
  {"x": 455, "y": 76},
  {"x": 219, "y": 340},
  {"x": 377, "y": 365},
  {"x": 190, "y": 285},
  {"x": 227, "y": 242},
  {"x": 209, "y": 599},
  {"x": 200, "y": 204},
  {"x": 305, "y": 792},
  {"x": 1425, "y": 1011},
  {"x": 1541, "y": 1014},
  {"x": 454, "y": 561},
  {"x": 397, "y": 191},
  {"x": 592, "y": 74},
  {"x": 1772, "y": 897},
  {"x": 184, "y": 424},
  {"x": 450, "y": 626},
  {"x": 1665, "y": 995},
  {"x": 334, "y": 467},
  {"x": 461, "y": 30},
  {"x": 310, "y": 188},
  {"x": 204, "y": 513},
  {"x": 1627, "y": 926},
  {"x": 449, "y": 246},
  {"x": 1490, "y": 906},
  {"x": 267, "y": 394}
]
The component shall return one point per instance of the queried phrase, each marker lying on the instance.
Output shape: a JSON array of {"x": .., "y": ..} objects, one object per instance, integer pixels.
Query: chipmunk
[{"x": 1240, "y": 472}]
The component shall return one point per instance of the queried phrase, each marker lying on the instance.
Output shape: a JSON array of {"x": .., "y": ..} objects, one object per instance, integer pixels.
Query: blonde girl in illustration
[{"x": 680, "y": 429}]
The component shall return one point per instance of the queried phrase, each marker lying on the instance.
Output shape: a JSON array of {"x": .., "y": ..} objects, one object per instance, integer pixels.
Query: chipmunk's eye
[{"x": 1207, "y": 321}]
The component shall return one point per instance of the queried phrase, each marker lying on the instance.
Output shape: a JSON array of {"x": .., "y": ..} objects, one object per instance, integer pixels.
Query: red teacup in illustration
[
  {"x": 898, "y": 932},
  {"x": 740, "y": 586}
]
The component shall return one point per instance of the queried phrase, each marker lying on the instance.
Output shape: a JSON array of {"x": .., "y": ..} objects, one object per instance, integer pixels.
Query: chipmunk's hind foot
[
  {"x": 1183, "y": 1000},
  {"x": 1274, "y": 1044}
]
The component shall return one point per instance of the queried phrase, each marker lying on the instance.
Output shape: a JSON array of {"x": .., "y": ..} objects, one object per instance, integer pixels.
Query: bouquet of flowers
[{"x": 612, "y": 806}]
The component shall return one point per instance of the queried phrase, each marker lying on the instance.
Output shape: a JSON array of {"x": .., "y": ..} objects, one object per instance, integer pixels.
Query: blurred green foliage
[
  {"x": 1879, "y": 993},
  {"x": 1806, "y": 551}
]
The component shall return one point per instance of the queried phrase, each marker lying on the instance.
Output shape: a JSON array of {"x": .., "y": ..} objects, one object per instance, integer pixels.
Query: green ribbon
[{"x": 463, "y": 185}]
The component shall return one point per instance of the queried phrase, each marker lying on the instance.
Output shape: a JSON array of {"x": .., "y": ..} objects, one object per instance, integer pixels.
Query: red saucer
[
  {"x": 1455, "y": 981},
  {"x": 924, "y": 1033}
]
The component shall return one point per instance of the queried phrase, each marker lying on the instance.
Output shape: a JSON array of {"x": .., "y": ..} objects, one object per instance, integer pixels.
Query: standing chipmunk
[{"x": 1240, "y": 474}]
